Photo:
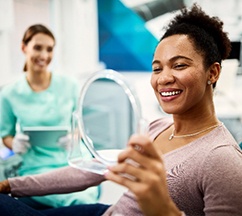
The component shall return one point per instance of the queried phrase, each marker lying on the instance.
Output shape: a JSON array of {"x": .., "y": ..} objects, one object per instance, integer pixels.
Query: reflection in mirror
[{"x": 107, "y": 114}]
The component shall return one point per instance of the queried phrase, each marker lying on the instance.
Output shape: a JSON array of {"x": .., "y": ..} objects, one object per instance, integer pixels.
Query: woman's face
[
  {"x": 179, "y": 78},
  {"x": 39, "y": 52}
]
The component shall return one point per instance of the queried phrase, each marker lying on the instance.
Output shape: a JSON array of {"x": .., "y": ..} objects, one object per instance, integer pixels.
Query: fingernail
[{"x": 106, "y": 172}]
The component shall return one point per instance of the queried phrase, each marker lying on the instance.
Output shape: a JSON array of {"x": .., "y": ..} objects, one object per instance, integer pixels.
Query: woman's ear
[
  {"x": 23, "y": 47},
  {"x": 214, "y": 72}
]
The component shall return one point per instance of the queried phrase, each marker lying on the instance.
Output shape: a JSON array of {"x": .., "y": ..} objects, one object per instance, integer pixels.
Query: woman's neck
[
  {"x": 38, "y": 81},
  {"x": 199, "y": 120}
]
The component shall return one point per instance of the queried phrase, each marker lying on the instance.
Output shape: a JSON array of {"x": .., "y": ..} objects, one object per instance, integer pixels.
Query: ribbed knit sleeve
[{"x": 62, "y": 180}]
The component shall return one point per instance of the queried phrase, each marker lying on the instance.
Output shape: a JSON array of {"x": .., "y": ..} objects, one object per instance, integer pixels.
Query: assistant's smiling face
[{"x": 39, "y": 52}]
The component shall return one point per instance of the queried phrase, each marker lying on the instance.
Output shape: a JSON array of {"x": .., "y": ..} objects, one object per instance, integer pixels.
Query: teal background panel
[{"x": 125, "y": 44}]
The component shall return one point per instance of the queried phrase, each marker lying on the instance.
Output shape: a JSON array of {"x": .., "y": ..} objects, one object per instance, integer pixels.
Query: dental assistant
[{"x": 40, "y": 98}]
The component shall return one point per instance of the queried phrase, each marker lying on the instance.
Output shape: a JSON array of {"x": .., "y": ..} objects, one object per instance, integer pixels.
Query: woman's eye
[
  {"x": 49, "y": 49},
  {"x": 180, "y": 66},
  {"x": 37, "y": 48},
  {"x": 156, "y": 70}
]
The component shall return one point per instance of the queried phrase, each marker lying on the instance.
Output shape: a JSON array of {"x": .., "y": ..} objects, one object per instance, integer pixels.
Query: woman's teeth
[{"x": 166, "y": 94}]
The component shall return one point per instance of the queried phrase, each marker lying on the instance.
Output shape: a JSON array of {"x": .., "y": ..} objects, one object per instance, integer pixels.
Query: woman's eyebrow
[
  {"x": 155, "y": 62},
  {"x": 179, "y": 57},
  {"x": 172, "y": 59}
]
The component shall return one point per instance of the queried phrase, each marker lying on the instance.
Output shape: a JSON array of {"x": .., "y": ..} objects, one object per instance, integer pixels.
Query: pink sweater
[{"x": 204, "y": 177}]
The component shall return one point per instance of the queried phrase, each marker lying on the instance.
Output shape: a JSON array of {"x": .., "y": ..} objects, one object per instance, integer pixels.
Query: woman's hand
[
  {"x": 141, "y": 169},
  {"x": 65, "y": 142},
  {"x": 20, "y": 144},
  {"x": 5, "y": 187}
]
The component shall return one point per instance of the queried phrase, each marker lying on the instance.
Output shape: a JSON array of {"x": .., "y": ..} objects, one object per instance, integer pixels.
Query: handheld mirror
[{"x": 108, "y": 113}]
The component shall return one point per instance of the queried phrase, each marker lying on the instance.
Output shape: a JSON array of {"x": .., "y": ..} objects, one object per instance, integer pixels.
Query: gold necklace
[{"x": 192, "y": 134}]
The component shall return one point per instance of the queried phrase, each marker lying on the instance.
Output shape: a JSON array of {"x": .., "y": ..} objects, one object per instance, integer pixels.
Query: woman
[
  {"x": 189, "y": 164},
  {"x": 40, "y": 98}
]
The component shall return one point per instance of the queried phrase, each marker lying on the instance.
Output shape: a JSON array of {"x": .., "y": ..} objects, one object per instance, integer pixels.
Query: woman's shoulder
[
  {"x": 64, "y": 77},
  {"x": 159, "y": 125},
  {"x": 64, "y": 80},
  {"x": 13, "y": 87},
  {"x": 219, "y": 137},
  {"x": 217, "y": 148}
]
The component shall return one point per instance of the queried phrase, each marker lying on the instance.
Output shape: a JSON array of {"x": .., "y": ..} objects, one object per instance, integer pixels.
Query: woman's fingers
[
  {"x": 141, "y": 169},
  {"x": 139, "y": 163},
  {"x": 144, "y": 145},
  {"x": 139, "y": 166},
  {"x": 126, "y": 175},
  {"x": 5, "y": 187},
  {"x": 141, "y": 151}
]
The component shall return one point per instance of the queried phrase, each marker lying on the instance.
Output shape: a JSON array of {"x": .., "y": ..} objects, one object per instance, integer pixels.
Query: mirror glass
[{"x": 108, "y": 113}]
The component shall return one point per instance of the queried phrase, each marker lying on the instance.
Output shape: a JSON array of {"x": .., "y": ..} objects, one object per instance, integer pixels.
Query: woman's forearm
[
  {"x": 62, "y": 180},
  {"x": 8, "y": 141}
]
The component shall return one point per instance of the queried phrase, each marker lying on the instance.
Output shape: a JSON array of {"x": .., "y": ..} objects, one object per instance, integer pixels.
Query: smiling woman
[
  {"x": 179, "y": 76},
  {"x": 35, "y": 101},
  {"x": 38, "y": 44},
  {"x": 187, "y": 164}
]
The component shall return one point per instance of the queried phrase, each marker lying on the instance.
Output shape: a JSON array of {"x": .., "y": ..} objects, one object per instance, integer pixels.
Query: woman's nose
[
  {"x": 166, "y": 77},
  {"x": 44, "y": 54}
]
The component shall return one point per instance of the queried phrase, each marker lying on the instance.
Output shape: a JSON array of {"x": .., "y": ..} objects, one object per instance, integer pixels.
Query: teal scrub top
[
  {"x": 51, "y": 107},
  {"x": 20, "y": 105}
]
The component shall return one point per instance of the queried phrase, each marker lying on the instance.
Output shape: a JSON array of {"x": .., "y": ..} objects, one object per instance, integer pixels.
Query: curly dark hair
[{"x": 205, "y": 32}]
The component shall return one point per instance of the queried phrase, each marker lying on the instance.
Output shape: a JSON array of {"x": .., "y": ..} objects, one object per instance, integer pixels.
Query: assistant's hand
[
  {"x": 64, "y": 142},
  {"x": 5, "y": 187},
  {"x": 20, "y": 143},
  {"x": 141, "y": 169}
]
